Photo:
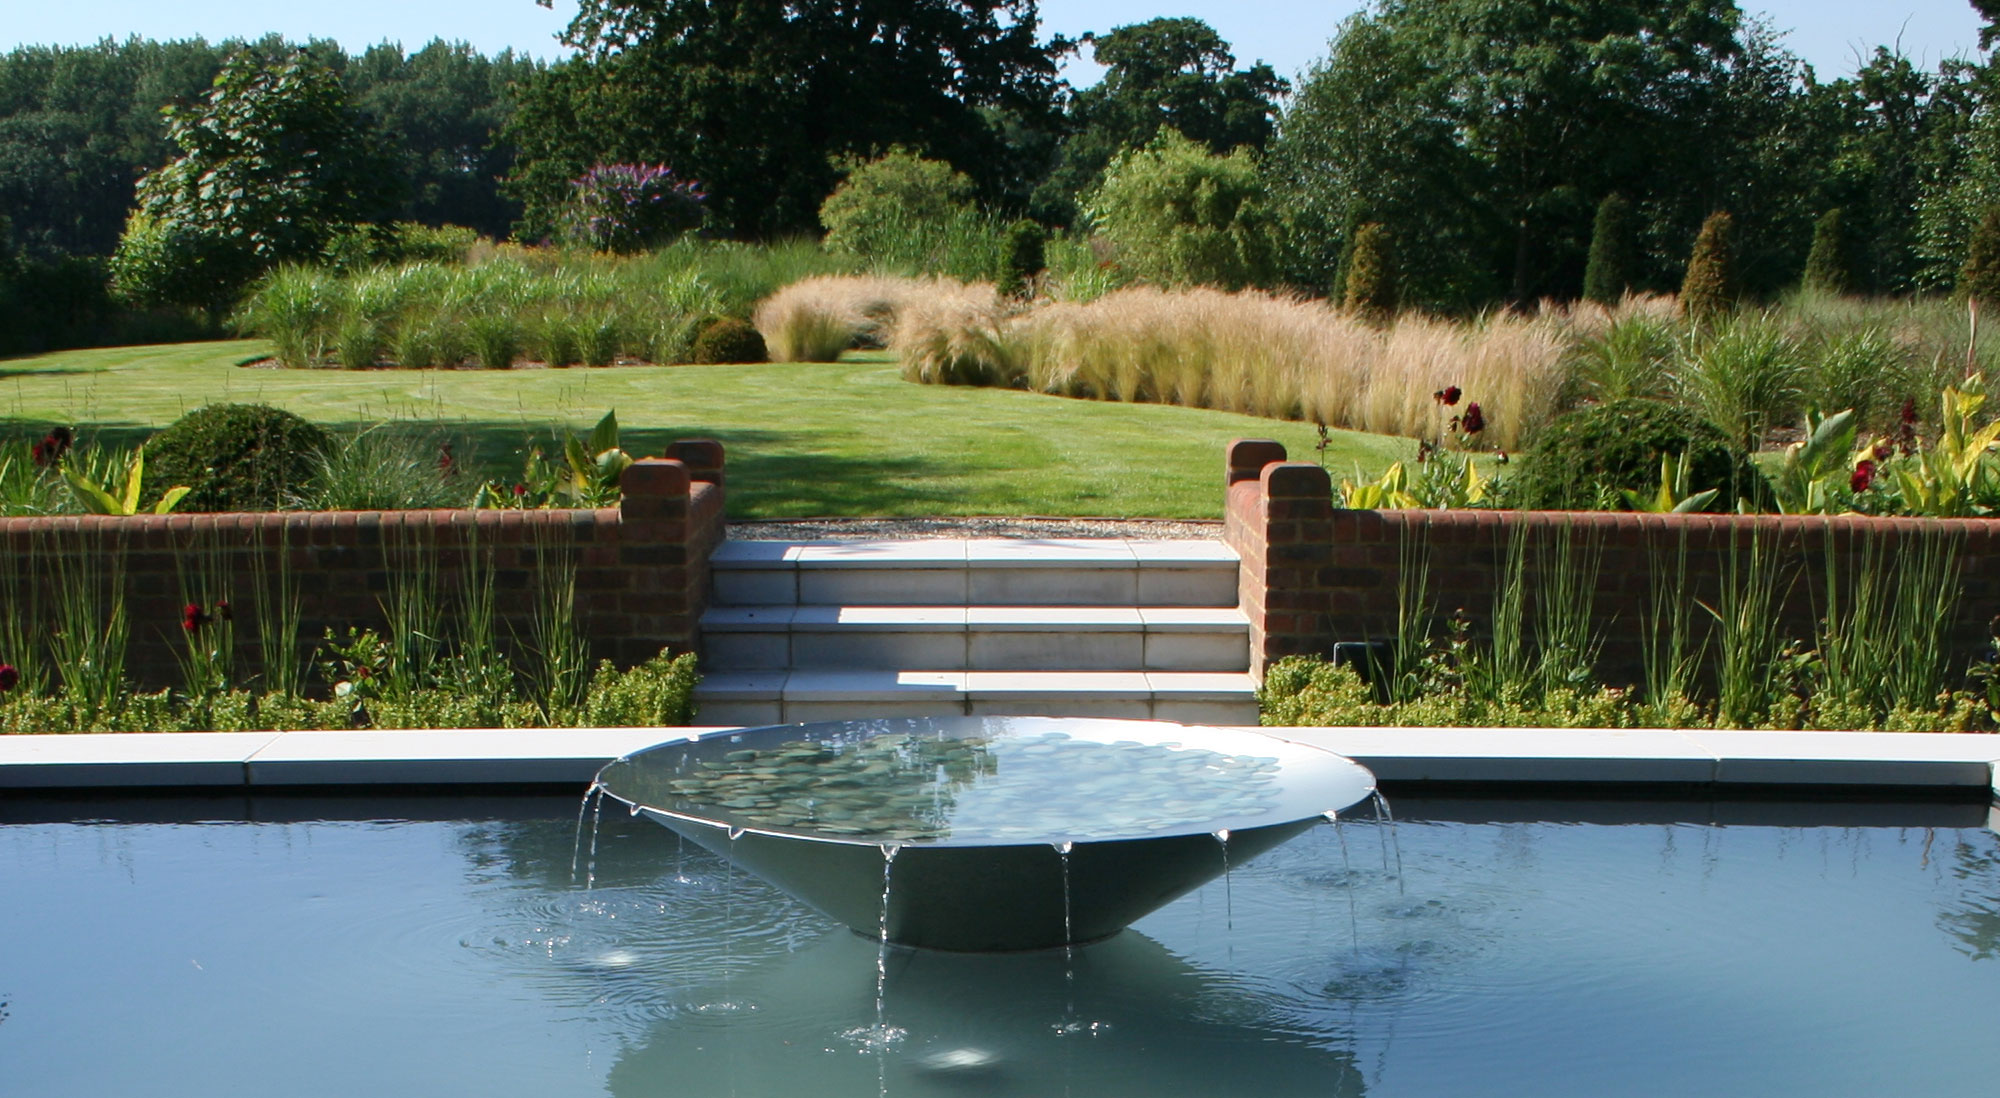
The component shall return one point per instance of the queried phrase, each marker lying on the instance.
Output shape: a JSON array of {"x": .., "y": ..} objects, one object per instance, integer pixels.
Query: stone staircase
[{"x": 1101, "y": 627}]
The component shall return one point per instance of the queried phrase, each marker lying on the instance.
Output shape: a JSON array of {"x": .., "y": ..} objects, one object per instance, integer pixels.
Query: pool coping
[{"x": 1890, "y": 761}]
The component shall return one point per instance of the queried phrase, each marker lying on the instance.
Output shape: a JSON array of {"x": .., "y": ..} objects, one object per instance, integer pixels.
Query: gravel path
[{"x": 877, "y": 529}]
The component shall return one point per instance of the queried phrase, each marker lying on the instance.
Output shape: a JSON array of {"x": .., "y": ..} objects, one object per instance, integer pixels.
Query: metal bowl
[{"x": 987, "y": 833}]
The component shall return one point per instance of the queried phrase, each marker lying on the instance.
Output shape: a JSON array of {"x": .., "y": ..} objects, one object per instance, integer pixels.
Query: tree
[
  {"x": 1486, "y": 130},
  {"x": 1608, "y": 275},
  {"x": 1826, "y": 265},
  {"x": 1182, "y": 216},
  {"x": 1980, "y": 279},
  {"x": 754, "y": 98},
  {"x": 1710, "y": 287},
  {"x": 1371, "y": 279},
  {"x": 273, "y": 164},
  {"x": 1171, "y": 73}
]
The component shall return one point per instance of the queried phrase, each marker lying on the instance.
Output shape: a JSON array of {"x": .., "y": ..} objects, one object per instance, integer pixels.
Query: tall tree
[
  {"x": 273, "y": 163},
  {"x": 753, "y": 97},
  {"x": 1164, "y": 73},
  {"x": 1491, "y": 129}
]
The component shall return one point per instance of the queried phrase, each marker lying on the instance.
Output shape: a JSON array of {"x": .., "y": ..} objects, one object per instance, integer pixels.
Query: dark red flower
[
  {"x": 363, "y": 672},
  {"x": 53, "y": 446},
  {"x": 9, "y": 677},
  {"x": 1448, "y": 395},
  {"x": 520, "y": 490},
  {"x": 1864, "y": 475},
  {"x": 193, "y": 618},
  {"x": 1906, "y": 432},
  {"x": 447, "y": 464},
  {"x": 1425, "y": 448},
  {"x": 1474, "y": 421},
  {"x": 1883, "y": 449},
  {"x": 223, "y": 611}
]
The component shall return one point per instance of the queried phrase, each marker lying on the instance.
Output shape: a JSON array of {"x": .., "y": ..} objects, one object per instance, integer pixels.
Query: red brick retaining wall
[
  {"x": 1314, "y": 574},
  {"x": 641, "y": 567}
]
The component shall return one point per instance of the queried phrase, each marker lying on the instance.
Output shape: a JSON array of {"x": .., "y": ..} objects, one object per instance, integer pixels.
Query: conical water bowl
[{"x": 987, "y": 833}]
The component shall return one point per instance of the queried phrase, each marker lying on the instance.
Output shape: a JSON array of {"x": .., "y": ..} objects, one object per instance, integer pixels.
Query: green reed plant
[
  {"x": 1928, "y": 573},
  {"x": 1566, "y": 639},
  {"x": 412, "y": 611},
  {"x": 1415, "y": 619},
  {"x": 92, "y": 629},
  {"x": 1503, "y": 672},
  {"x": 559, "y": 661},
  {"x": 1747, "y": 642},
  {"x": 479, "y": 669},
  {"x": 1668, "y": 651},
  {"x": 495, "y": 341},
  {"x": 22, "y": 629},
  {"x": 294, "y": 307},
  {"x": 1745, "y": 374},
  {"x": 280, "y": 610},
  {"x": 208, "y": 618},
  {"x": 1629, "y": 357},
  {"x": 387, "y": 467},
  {"x": 1857, "y": 369}
]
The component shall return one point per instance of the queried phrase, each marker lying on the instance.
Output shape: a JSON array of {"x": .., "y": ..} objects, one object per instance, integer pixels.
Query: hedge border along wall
[
  {"x": 641, "y": 567},
  {"x": 1315, "y": 574}
]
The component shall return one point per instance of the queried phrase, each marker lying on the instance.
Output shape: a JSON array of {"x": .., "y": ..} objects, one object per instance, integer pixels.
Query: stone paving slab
[{"x": 1485, "y": 755}]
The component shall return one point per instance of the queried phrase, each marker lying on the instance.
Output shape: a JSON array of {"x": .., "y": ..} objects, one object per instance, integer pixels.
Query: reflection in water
[
  {"x": 1135, "y": 1020},
  {"x": 1973, "y": 916}
]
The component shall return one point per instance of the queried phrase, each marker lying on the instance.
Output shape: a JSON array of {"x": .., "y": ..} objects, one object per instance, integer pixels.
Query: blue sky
[{"x": 1289, "y": 34}]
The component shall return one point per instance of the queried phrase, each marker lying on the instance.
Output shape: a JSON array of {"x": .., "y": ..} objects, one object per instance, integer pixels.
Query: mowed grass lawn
[{"x": 842, "y": 439}]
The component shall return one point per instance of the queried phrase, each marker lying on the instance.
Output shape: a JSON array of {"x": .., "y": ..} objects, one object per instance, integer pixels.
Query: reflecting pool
[{"x": 442, "y": 949}]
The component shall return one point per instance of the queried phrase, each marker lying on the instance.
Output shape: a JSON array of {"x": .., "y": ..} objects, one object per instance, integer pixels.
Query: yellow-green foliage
[
  {"x": 1710, "y": 286},
  {"x": 1183, "y": 216}
]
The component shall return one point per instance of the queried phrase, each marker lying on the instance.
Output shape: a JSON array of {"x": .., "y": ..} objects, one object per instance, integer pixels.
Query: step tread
[
  {"x": 895, "y": 684},
  {"x": 949, "y": 619},
  {"x": 936, "y": 553}
]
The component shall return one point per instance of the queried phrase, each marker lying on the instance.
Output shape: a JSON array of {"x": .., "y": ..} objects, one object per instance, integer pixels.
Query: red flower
[
  {"x": 1906, "y": 433},
  {"x": 1864, "y": 475},
  {"x": 1884, "y": 449},
  {"x": 447, "y": 464},
  {"x": 9, "y": 678},
  {"x": 223, "y": 611},
  {"x": 520, "y": 490},
  {"x": 1447, "y": 396},
  {"x": 1474, "y": 421},
  {"x": 192, "y": 618}
]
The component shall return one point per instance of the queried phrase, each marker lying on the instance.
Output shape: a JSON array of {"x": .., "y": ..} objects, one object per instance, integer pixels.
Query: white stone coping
[
  {"x": 974, "y": 553},
  {"x": 1497, "y": 756}
]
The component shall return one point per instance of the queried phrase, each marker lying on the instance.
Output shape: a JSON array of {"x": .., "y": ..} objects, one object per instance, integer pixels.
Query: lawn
[{"x": 837, "y": 439}]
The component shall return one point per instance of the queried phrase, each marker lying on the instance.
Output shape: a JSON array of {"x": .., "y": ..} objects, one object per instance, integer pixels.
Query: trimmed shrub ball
[
  {"x": 727, "y": 340},
  {"x": 235, "y": 457},
  {"x": 1618, "y": 444}
]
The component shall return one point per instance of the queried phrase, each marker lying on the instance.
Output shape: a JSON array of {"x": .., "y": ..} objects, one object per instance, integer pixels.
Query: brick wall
[
  {"x": 1314, "y": 574},
  {"x": 641, "y": 567}
]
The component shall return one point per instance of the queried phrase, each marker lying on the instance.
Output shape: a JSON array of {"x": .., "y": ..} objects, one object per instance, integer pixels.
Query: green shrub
[
  {"x": 656, "y": 694},
  {"x": 1979, "y": 279},
  {"x": 727, "y": 340},
  {"x": 1826, "y": 264},
  {"x": 1599, "y": 449},
  {"x": 1371, "y": 277},
  {"x": 1027, "y": 250},
  {"x": 876, "y": 208},
  {"x": 496, "y": 341},
  {"x": 1710, "y": 286},
  {"x": 235, "y": 457},
  {"x": 1608, "y": 274},
  {"x": 1183, "y": 216}
]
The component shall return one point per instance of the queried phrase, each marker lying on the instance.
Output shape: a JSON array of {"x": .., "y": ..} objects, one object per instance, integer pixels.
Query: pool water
[{"x": 444, "y": 950}]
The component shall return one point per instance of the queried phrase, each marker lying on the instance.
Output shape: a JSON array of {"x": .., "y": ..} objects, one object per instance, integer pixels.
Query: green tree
[
  {"x": 272, "y": 165},
  {"x": 1710, "y": 287},
  {"x": 1486, "y": 129},
  {"x": 1608, "y": 275},
  {"x": 884, "y": 200},
  {"x": 1826, "y": 265},
  {"x": 1175, "y": 73},
  {"x": 1181, "y": 215},
  {"x": 1980, "y": 278},
  {"x": 755, "y": 98},
  {"x": 1371, "y": 275}
]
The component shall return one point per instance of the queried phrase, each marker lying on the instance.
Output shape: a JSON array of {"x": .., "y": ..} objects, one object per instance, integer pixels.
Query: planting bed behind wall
[
  {"x": 1314, "y": 574},
  {"x": 641, "y": 567}
]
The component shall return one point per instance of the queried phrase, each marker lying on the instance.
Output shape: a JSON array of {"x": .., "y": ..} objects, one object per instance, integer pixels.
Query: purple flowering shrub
[{"x": 628, "y": 208}]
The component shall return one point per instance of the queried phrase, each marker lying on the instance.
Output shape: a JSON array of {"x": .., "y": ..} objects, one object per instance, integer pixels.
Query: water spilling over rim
[{"x": 985, "y": 781}]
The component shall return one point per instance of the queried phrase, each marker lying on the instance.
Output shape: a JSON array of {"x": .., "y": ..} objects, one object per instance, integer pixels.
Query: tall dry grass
[
  {"x": 1255, "y": 353},
  {"x": 815, "y": 319}
]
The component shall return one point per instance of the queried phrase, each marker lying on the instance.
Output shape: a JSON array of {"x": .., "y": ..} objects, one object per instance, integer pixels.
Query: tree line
[{"x": 1481, "y": 143}]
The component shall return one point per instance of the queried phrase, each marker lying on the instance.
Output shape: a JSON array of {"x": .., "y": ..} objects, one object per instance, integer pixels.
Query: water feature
[
  {"x": 417, "y": 949},
  {"x": 1010, "y": 832}
]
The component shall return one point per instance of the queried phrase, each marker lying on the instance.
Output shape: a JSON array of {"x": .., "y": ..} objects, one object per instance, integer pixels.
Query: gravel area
[{"x": 880, "y": 529}]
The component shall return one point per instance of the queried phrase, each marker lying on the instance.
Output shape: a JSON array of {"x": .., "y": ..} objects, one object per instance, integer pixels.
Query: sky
[{"x": 1289, "y": 34}]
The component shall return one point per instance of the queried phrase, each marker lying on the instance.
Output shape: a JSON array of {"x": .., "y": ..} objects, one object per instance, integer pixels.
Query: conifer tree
[
  {"x": 1371, "y": 277},
  {"x": 1609, "y": 273},
  {"x": 1979, "y": 279},
  {"x": 1826, "y": 264},
  {"x": 1710, "y": 286}
]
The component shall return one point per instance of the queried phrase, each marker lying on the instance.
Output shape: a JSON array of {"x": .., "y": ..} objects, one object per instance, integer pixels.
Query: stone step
[
  {"x": 975, "y": 572},
  {"x": 979, "y": 638},
  {"x": 780, "y": 697}
]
